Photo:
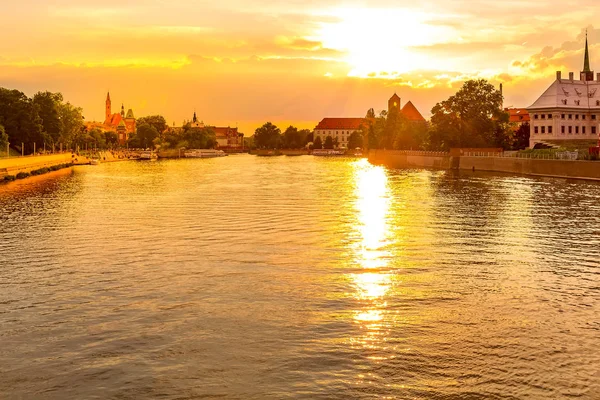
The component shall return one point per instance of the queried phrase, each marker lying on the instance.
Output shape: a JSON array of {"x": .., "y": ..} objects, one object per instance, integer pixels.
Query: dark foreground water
[{"x": 274, "y": 278}]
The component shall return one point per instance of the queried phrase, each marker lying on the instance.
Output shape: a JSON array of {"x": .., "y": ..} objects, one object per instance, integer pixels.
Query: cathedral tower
[
  {"x": 394, "y": 103},
  {"x": 587, "y": 74},
  {"x": 108, "y": 111}
]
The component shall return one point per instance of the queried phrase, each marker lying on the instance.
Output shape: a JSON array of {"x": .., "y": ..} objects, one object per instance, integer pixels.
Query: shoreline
[{"x": 562, "y": 169}]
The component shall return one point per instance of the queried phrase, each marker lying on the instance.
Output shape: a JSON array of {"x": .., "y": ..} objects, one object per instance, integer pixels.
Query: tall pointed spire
[{"x": 586, "y": 59}]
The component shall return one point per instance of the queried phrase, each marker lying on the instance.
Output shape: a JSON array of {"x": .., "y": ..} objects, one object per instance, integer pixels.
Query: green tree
[
  {"x": 370, "y": 113},
  {"x": 3, "y": 139},
  {"x": 293, "y": 138},
  {"x": 199, "y": 138},
  {"x": 318, "y": 143},
  {"x": 20, "y": 119},
  {"x": 355, "y": 140},
  {"x": 522, "y": 137},
  {"x": 48, "y": 108},
  {"x": 470, "y": 118},
  {"x": 157, "y": 121},
  {"x": 72, "y": 129},
  {"x": 146, "y": 134},
  {"x": 268, "y": 136},
  {"x": 97, "y": 138},
  {"x": 309, "y": 136},
  {"x": 328, "y": 143},
  {"x": 111, "y": 138}
]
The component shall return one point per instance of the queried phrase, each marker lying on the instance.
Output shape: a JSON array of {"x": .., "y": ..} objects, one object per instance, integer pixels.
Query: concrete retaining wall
[
  {"x": 528, "y": 166},
  {"x": 12, "y": 166}
]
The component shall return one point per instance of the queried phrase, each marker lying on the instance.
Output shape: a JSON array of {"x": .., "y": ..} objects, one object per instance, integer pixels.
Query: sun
[{"x": 382, "y": 41}]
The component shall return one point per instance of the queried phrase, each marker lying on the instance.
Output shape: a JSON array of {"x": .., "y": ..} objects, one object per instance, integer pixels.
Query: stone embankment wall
[
  {"x": 12, "y": 166},
  {"x": 529, "y": 166},
  {"x": 513, "y": 165},
  {"x": 412, "y": 159}
]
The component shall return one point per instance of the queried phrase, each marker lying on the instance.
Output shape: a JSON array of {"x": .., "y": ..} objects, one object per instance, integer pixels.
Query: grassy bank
[{"x": 36, "y": 172}]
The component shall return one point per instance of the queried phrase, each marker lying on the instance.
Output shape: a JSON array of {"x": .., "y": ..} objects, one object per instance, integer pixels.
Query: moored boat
[
  {"x": 148, "y": 155},
  {"x": 328, "y": 152},
  {"x": 204, "y": 153}
]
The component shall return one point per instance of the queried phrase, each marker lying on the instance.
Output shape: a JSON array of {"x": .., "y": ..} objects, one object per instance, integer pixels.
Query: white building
[
  {"x": 569, "y": 109},
  {"x": 340, "y": 128}
]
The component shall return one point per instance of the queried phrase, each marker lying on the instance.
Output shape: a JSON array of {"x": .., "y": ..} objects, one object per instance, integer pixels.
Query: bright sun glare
[{"x": 382, "y": 40}]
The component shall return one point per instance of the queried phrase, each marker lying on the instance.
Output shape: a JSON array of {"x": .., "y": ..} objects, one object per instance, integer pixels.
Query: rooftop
[{"x": 340, "y": 123}]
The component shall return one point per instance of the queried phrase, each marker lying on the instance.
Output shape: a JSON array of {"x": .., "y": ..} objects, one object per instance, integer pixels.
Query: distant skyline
[{"x": 295, "y": 62}]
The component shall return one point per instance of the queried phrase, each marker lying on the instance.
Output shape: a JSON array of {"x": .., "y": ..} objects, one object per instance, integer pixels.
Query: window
[
  {"x": 543, "y": 130},
  {"x": 535, "y": 130},
  {"x": 583, "y": 116},
  {"x": 593, "y": 130},
  {"x": 562, "y": 129},
  {"x": 583, "y": 130},
  {"x": 549, "y": 116},
  {"x": 543, "y": 116},
  {"x": 564, "y": 101},
  {"x": 562, "y": 116},
  {"x": 594, "y": 116},
  {"x": 570, "y": 116},
  {"x": 576, "y": 116},
  {"x": 577, "y": 130},
  {"x": 535, "y": 116},
  {"x": 577, "y": 102},
  {"x": 570, "y": 130},
  {"x": 550, "y": 129},
  {"x": 598, "y": 102}
]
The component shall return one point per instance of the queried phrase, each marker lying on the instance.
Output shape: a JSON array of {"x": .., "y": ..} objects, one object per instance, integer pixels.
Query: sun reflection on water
[{"x": 371, "y": 253}]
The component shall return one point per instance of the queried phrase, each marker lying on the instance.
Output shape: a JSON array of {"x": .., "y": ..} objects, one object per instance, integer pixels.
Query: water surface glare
[{"x": 297, "y": 277}]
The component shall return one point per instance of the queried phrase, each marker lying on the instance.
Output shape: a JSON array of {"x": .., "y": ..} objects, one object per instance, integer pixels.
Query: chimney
[
  {"x": 571, "y": 75},
  {"x": 559, "y": 75}
]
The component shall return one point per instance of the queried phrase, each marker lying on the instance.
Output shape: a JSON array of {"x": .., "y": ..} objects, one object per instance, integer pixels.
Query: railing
[
  {"x": 417, "y": 153},
  {"x": 556, "y": 155}
]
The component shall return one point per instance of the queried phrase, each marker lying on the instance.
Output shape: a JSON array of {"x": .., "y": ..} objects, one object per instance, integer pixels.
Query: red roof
[
  {"x": 225, "y": 131},
  {"x": 340, "y": 123},
  {"x": 517, "y": 114},
  {"x": 114, "y": 120},
  {"x": 411, "y": 112}
]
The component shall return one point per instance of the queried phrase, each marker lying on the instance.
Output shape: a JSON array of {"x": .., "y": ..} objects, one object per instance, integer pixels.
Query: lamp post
[{"x": 7, "y": 150}]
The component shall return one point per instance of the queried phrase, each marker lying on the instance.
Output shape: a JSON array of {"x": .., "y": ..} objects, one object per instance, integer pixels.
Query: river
[{"x": 297, "y": 277}]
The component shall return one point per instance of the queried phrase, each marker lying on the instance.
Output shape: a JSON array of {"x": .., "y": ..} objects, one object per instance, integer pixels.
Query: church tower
[
  {"x": 587, "y": 74},
  {"x": 108, "y": 111},
  {"x": 123, "y": 110},
  {"x": 394, "y": 103}
]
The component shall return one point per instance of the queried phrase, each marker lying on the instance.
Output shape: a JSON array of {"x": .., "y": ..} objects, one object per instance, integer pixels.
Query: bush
[
  {"x": 23, "y": 175},
  {"x": 9, "y": 178}
]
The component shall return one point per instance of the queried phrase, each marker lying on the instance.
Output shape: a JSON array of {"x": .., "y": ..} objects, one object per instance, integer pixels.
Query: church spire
[{"x": 586, "y": 59}]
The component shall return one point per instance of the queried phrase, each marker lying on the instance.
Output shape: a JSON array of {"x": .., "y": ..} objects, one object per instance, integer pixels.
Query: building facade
[
  {"x": 337, "y": 128},
  {"x": 569, "y": 109},
  {"x": 122, "y": 123}
]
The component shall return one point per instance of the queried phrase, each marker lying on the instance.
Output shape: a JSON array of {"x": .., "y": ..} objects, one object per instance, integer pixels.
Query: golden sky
[{"x": 248, "y": 62}]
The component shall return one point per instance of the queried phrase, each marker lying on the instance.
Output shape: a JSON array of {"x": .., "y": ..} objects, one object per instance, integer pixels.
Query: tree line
[
  {"x": 44, "y": 120},
  {"x": 473, "y": 117}
]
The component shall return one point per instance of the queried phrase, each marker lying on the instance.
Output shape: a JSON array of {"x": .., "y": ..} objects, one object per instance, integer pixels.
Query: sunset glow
[{"x": 242, "y": 64}]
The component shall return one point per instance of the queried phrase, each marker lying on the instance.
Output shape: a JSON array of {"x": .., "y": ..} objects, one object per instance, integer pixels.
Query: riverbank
[
  {"x": 571, "y": 169},
  {"x": 15, "y": 165}
]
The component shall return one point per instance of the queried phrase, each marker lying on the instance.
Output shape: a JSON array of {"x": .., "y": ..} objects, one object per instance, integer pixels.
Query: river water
[{"x": 297, "y": 277}]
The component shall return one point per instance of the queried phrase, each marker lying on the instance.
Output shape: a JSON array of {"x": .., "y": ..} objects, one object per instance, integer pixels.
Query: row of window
[
  {"x": 343, "y": 139},
  {"x": 563, "y": 116},
  {"x": 563, "y": 129},
  {"x": 333, "y": 133}
]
